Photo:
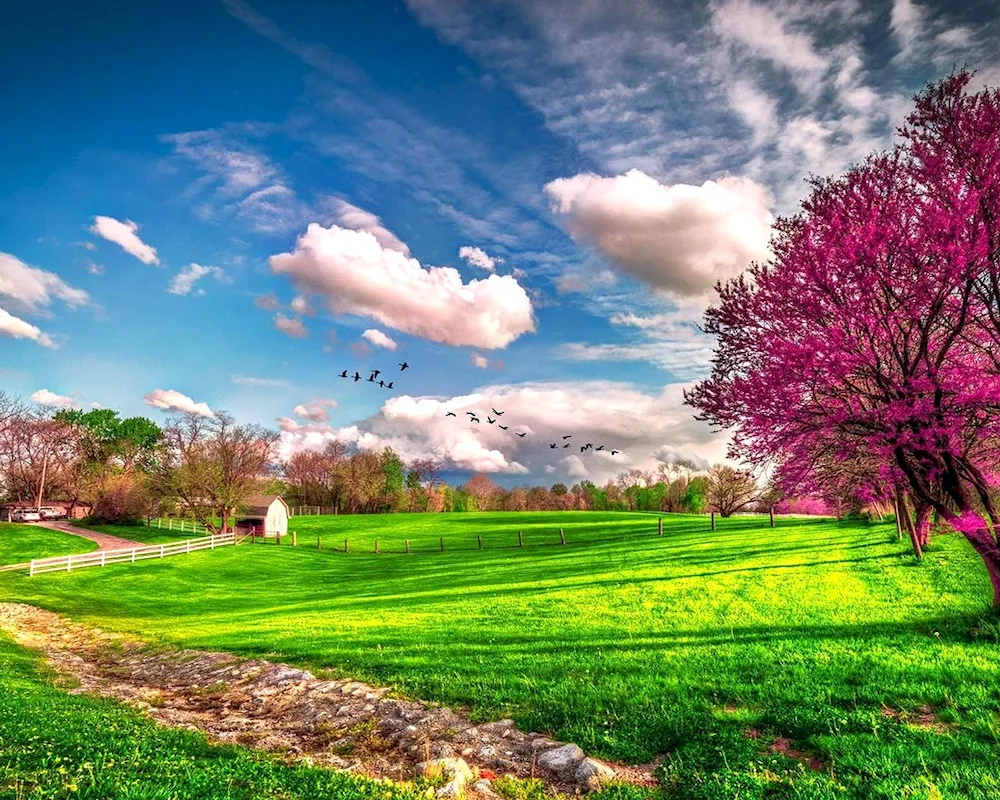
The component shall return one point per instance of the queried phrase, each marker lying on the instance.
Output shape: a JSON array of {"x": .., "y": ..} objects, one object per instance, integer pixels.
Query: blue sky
[{"x": 223, "y": 205}]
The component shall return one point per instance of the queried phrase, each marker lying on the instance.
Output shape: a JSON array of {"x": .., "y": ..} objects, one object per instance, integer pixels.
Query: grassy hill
[
  {"x": 815, "y": 659},
  {"x": 20, "y": 543}
]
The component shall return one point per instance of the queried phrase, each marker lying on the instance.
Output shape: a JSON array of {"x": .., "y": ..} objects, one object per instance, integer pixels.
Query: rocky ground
[{"x": 290, "y": 712}]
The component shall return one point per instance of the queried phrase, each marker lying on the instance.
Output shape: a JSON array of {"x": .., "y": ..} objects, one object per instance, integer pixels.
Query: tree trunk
[{"x": 984, "y": 543}]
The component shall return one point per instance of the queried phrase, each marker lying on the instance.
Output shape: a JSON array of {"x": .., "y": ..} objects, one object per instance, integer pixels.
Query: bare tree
[
  {"x": 730, "y": 490},
  {"x": 213, "y": 464}
]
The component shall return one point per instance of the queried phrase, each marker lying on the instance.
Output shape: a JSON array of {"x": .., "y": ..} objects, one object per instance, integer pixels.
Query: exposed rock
[
  {"x": 563, "y": 761},
  {"x": 280, "y": 708},
  {"x": 593, "y": 773}
]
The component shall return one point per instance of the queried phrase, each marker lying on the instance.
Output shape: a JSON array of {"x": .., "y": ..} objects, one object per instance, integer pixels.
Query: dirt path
[
  {"x": 104, "y": 541},
  {"x": 284, "y": 710}
]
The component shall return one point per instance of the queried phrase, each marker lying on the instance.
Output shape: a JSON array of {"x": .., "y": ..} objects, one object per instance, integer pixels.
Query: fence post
[
  {"x": 659, "y": 527},
  {"x": 104, "y": 558},
  {"x": 31, "y": 569},
  {"x": 277, "y": 538},
  {"x": 159, "y": 523},
  {"x": 771, "y": 512},
  {"x": 713, "y": 520},
  {"x": 442, "y": 544},
  {"x": 133, "y": 555},
  {"x": 407, "y": 546},
  {"x": 479, "y": 540},
  {"x": 161, "y": 551},
  {"x": 562, "y": 537},
  {"x": 69, "y": 563},
  {"x": 345, "y": 546},
  {"x": 376, "y": 547},
  {"x": 187, "y": 546},
  {"x": 295, "y": 539},
  {"x": 318, "y": 545},
  {"x": 170, "y": 523},
  {"x": 520, "y": 539}
]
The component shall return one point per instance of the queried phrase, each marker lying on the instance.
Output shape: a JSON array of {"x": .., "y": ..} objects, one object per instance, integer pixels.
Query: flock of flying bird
[
  {"x": 374, "y": 374},
  {"x": 474, "y": 415}
]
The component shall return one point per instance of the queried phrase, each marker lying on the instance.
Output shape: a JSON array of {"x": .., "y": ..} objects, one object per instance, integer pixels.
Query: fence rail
[
  {"x": 129, "y": 555},
  {"x": 177, "y": 524}
]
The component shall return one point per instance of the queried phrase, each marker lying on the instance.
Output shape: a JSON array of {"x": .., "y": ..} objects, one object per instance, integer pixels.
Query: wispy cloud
[
  {"x": 184, "y": 281},
  {"x": 125, "y": 235}
]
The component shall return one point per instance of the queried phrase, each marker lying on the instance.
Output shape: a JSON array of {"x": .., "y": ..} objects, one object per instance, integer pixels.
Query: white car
[
  {"x": 25, "y": 515},
  {"x": 49, "y": 512}
]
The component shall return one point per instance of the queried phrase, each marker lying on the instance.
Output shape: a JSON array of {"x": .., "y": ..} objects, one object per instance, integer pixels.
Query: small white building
[{"x": 266, "y": 513}]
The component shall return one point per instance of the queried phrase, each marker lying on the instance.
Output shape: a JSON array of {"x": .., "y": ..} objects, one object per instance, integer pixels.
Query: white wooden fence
[
  {"x": 102, "y": 558},
  {"x": 178, "y": 524}
]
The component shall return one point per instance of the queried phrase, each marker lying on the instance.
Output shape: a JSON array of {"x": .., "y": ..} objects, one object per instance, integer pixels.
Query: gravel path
[{"x": 104, "y": 540}]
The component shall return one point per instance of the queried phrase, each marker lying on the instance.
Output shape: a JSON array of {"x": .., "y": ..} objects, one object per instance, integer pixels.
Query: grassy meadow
[
  {"x": 20, "y": 542},
  {"x": 709, "y": 651}
]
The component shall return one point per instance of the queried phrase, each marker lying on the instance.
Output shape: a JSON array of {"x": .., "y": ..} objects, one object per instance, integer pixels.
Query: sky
[{"x": 224, "y": 205}]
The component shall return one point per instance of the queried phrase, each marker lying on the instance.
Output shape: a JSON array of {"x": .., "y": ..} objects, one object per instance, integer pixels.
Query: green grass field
[
  {"x": 20, "y": 543},
  {"x": 698, "y": 647}
]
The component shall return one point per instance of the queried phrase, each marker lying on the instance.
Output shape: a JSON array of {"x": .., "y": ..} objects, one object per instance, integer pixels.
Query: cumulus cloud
[
  {"x": 379, "y": 339},
  {"x": 290, "y": 326},
  {"x": 301, "y": 306},
  {"x": 46, "y": 398},
  {"x": 17, "y": 328},
  {"x": 475, "y": 257},
  {"x": 617, "y": 415},
  {"x": 31, "y": 288},
  {"x": 356, "y": 274},
  {"x": 172, "y": 400},
  {"x": 678, "y": 238},
  {"x": 317, "y": 410},
  {"x": 183, "y": 282},
  {"x": 124, "y": 235},
  {"x": 269, "y": 302},
  {"x": 357, "y": 219},
  {"x": 479, "y": 361}
]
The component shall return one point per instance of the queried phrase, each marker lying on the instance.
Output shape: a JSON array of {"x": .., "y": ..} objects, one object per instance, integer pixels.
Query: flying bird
[
  {"x": 371, "y": 379},
  {"x": 582, "y": 449},
  {"x": 357, "y": 377},
  {"x": 451, "y": 414},
  {"x": 474, "y": 419},
  {"x": 614, "y": 452},
  {"x": 568, "y": 436},
  {"x": 491, "y": 421},
  {"x": 498, "y": 413},
  {"x": 343, "y": 374},
  {"x": 601, "y": 447},
  {"x": 388, "y": 385},
  {"x": 565, "y": 445},
  {"x": 502, "y": 427},
  {"x": 587, "y": 446},
  {"x": 403, "y": 365},
  {"x": 381, "y": 383},
  {"x": 553, "y": 446},
  {"x": 522, "y": 435},
  {"x": 471, "y": 413},
  {"x": 376, "y": 373}
]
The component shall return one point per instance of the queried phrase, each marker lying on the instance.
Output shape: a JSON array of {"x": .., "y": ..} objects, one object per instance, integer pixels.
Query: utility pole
[{"x": 41, "y": 485}]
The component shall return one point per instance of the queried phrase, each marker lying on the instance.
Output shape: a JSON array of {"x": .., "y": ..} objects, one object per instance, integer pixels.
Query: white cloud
[
  {"x": 356, "y": 274},
  {"x": 238, "y": 168},
  {"x": 357, "y": 219},
  {"x": 290, "y": 326},
  {"x": 17, "y": 328},
  {"x": 479, "y": 361},
  {"x": 248, "y": 380},
  {"x": 757, "y": 109},
  {"x": 617, "y": 415},
  {"x": 379, "y": 339},
  {"x": 476, "y": 257},
  {"x": 269, "y": 302},
  {"x": 183, "y": 282},
  {"x": 172, "y": 400},
  {"x": 124, "y": 235},
  {"x": 46, "y": 398},
  {"x": 907, "y": 23},
  {"x": 317, "y": 410},
  {"x": 679, "y": 238},
  {"x": 301, "y": 306},
  {"x": 32, "y": 288},
  {"x": 273, "y": 209}
]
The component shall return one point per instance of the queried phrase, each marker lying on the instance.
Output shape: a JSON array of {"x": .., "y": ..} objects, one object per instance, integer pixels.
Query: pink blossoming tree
[{"x": 875, "y": 328}]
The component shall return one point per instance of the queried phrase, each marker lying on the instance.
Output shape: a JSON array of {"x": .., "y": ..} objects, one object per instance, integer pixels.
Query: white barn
[{"x": 267, "y": 513}]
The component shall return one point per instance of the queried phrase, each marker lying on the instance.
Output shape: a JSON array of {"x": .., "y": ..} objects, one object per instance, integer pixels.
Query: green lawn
[
  {"x": 153, "y": 535},
  {"x": 20, "y": 543},
  {"x": 885, "y": 672},
  {"x": 53, "y": 745}
]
